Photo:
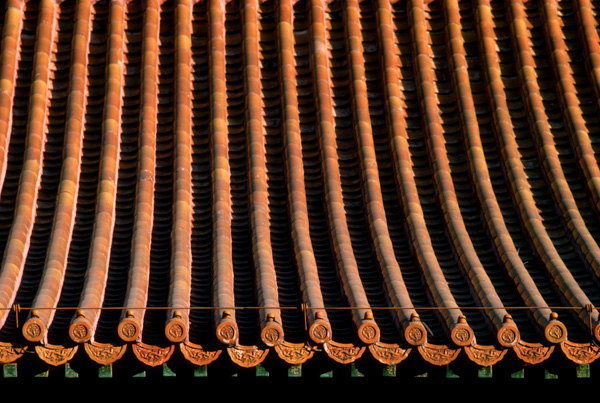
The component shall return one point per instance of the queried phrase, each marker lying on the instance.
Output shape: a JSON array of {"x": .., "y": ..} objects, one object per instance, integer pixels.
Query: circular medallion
[
  {"x": 462, "y": 335},
  {"x": 128, "y": 330},
  {"x": 320, "y": 332},
  {"x": 555, "y": 332},
  {"x": 508, "y": 336},
  {"x": 272, "y": 335},
  {"x": 33, "y": 331},
  {"x": 227, "y": 332},
  {"x": 175, "y": 331},
  {"x": 369, "y": 332},
  {"x": 80, "y": 331},
  {"x": 415, "y": 335}
]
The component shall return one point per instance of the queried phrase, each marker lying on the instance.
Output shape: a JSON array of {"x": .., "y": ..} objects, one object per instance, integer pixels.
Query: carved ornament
[
  {"x": 532, "y": 353},
  {"x": 10, "y": 353},
  {"x": 128, "y": 330},
  {"x": 104, "y": 354},
  {"x": 508, "y": 336},
  {"x": 247, "y": 356},
  {"x": 320, "y": 333},
  {"x": 462, "y": 335},
  {"x": 55, "y": 355},
  {"x": 197, "y": 355},
  {"x": 34, "y": 330},
  {"x": 343, "y": 353},
  {"x": 294, "y": 353},
  {"x": 388, "y": 354},
  {"x": 438, "y": 355},
  {"x": 176, "y": 331},
  {"x": 415, "y": 334},
  {"x": 227, "y": 332},
  {"x": 555, "y": 332},
  {"x": 368, "y": 333},
  {"x": 580, "y": 353},
  {"x": 271, "y": 335},
  {"x": 485, "y": 355},
  {"x": 152, "y": 355}
]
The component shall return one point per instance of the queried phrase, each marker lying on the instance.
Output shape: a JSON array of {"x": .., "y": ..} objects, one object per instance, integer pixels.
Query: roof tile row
[{"x": 280, "y": 175}]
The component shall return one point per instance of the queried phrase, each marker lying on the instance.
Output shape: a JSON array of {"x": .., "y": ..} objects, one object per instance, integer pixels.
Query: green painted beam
[
  {"x": 295, "y": 371},
  {"x": 485, "y": 372},
  {"x": 355, "y": 373},
  {"x": 69, "y": 372},
  {"x": 550, "y": 375},
  {"x": 389, "y": 371},
  {"x": 450, "y": 374},
  {"x": 10, "y": 370},
  {"x": 583, "y": 371},
  {"x": 105, "y": 371},
  {"x": 167, "y": 372},
  {"x": 261, "y": 371},
  {"x": 327, "y": 374},
  {"x": 201, "y": 372},
  {"x": 519, "y": 374}
]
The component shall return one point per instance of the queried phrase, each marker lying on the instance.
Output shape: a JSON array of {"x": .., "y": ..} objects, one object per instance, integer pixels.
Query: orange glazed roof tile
[{"x": 360, "y": 180}]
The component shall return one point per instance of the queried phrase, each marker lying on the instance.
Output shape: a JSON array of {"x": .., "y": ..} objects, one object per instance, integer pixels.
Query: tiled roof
[{"x": 351, "y": 180}]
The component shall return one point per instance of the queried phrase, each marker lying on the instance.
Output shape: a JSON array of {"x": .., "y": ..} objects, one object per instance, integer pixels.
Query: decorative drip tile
[
  {"x": 533, "y": 353},
  {"x": 152, "y": 355},
  {"x": 56, "y": 355},
  {"x": 485, "y": 356},
  {"x": 198, "y": 355},
  {"x": 344, "y": 353},
  {"x": 438, "y": 355},
  {"x": 294, "y": 353},
  {"x": 247, "y": 356},
  {"x": 389, "y": 354},
  {"x": 10, "y": 353},
  {"x": 581, "y": 353},
  {"x": 104, "y": 354}
]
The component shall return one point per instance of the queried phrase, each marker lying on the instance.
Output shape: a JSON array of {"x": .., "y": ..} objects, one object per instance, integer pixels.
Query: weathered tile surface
[{"x": 361, "y": 179}]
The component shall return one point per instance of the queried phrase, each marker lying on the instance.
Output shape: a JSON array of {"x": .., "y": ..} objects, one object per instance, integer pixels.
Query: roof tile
[{"x": 311, "y": 177}]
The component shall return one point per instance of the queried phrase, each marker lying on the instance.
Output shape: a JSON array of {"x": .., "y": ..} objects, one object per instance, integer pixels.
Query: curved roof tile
[{"x": 185, "y": 177}]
